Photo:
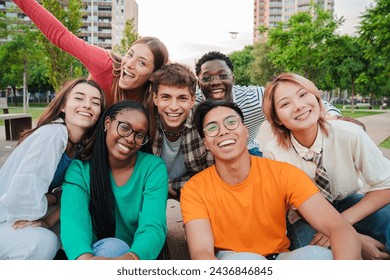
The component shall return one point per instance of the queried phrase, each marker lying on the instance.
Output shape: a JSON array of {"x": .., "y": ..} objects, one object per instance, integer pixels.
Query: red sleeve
[{"x": 94, "y": 58}]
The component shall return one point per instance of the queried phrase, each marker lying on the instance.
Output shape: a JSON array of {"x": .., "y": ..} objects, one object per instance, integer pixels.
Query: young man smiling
[
  {"x": 236, "y": 209},
  {"x": 173, "y": 133}
]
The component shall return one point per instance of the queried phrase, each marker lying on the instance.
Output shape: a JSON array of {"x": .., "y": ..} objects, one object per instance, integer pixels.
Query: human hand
[
  {"x": 372, "y": 249},
  {"x": 23, "y": 223},
  {"x": 320, "y": 239},
  {"x": 172, "y": 193}
]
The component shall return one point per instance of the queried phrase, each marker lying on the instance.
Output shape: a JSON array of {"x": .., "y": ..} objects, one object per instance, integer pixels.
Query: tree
[
  {"x": 298, "y": 45},
  {"x": 375, "y": 37},
  {"x": 242, "y": 61},
  {"x": 262, "y": 69},
  {"x": 61, "y": 66},
  {"x": 130, "y": 35}
]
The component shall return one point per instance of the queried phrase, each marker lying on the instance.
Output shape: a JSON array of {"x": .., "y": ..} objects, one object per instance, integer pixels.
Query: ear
[
  {"x": 155, "y": 98},
  {"x": 107, "y": 123},
  {"x": 193, "y": 98},
  {"x": 205, "y": 143}
]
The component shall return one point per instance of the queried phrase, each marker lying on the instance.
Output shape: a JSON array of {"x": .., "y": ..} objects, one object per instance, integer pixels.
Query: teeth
[
  {"x": 218, "y": 90},
  {"x": 173, "y": 115},
  {"x": 123, "y": 147},
  {"x": 302, "y": 116},
  {"x": 85, "y": 114},
  {"x": 226, "y": 142},
  {"x": 128, "y": 73}
]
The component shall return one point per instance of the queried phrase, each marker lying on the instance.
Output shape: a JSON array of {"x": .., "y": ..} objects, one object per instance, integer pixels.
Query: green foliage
[
  {"x": 262, "y": 68},
  {"x": 375, "y": 37},
  {"x": 242, "y": 61},
  {"x": 60, "y": 64},
  {"x": 299, "y": 44},
  {"x": 130, "y": 35}
]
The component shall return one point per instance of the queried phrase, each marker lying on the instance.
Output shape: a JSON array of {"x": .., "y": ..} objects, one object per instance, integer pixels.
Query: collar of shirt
[{"x": 304, "y": 152}]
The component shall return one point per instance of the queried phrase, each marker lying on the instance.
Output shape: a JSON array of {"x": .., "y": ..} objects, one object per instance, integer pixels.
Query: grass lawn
[
  {"x": 35, "y": 111},
  {"x": 385, "y": 144},
  {"x": 358, "y": 113}
]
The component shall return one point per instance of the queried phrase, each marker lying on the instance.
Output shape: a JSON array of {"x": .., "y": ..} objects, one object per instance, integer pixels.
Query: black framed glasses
[
  {"x": 230, "y": 122},
  {"x": 124, "y": 129},
  {"x": 221, "y": 77}
]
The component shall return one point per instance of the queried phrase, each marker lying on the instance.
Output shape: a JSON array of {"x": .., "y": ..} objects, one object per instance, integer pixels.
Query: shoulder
[
  {"x": 149, "y": 159},
  {"x": 344, "y": 129},
  {"x": 247, "y": 90}
]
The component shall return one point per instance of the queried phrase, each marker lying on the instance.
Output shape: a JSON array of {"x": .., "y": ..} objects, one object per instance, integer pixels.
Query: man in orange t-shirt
[{"x": 237, "y": 208}]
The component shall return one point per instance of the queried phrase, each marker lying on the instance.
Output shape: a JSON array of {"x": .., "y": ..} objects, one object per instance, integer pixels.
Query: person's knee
[
  {"x": 110, "y": 247},
  {"x": 42, "y": 244}
]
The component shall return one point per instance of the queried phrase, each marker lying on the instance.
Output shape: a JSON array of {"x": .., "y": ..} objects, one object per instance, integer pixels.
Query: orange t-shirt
[{"x": 250, "y": 216}]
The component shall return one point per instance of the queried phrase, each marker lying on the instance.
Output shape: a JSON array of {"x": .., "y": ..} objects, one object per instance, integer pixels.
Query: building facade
[
  {"x": 270, "y": 12},
  {"x": 103, "y": 20}
]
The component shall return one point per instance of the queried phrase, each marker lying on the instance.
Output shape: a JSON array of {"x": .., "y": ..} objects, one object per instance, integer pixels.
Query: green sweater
[{"x": 140, "y": 208}]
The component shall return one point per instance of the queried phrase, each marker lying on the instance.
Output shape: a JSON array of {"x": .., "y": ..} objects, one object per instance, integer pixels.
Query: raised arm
[{"x": 94, "y": 58}]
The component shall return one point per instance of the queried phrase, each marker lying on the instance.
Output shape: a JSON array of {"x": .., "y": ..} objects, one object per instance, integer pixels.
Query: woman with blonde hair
[{"x": 338, "y": 155}]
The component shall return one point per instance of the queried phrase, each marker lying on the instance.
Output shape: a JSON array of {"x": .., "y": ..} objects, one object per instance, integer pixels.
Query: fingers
[
  {"x": 320, "y": 240},
  {"x": 22, "y": 224}
]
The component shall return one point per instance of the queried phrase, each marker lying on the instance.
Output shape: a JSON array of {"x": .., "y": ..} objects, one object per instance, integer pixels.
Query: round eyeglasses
[
  {"x": 230, "y": 122},
  {"x": 124, "y": 129},
  {"x": 221, "y": 77}
]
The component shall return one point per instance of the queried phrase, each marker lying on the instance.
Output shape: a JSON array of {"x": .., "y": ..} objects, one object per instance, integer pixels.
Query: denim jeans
[
  {"x": 255, "y": 152},
  {"x": 110, "y": 247},
  {"x": 304, "y": 253},
  {"x": 376, "y": 225}
]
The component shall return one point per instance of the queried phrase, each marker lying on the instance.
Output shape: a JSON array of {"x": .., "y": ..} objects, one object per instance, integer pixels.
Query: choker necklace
[
  {"x": 173, "y": 134},
  {"x": 74, "y": 144}
]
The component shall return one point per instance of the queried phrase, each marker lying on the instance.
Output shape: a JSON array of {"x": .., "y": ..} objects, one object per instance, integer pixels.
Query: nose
[
  {"x": 130, "y": 62},
  {"x": 130, "y": 138},
  {"x": 215, "y": 80},
  {"x": 173, "y": 104},
  {"x": 87, "y": 103},
  {"x": 297, "y": 105}
]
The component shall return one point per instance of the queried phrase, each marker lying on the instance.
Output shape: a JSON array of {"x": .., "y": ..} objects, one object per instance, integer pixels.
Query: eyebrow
[
  {"x": 299, "y": 89},
  {"x": 84, "y": 94}
]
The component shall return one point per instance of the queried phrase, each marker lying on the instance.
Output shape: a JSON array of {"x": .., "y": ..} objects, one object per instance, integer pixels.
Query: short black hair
[
  {"x": 213, "y": 55},
  {"x": 203, "y": 108}
]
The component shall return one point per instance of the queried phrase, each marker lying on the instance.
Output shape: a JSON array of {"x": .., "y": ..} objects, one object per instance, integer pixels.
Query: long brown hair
[
  {"x": 283, "y": 133},
  {"x": 160, "y": 55},
  {"x": 53, "y": 112}
]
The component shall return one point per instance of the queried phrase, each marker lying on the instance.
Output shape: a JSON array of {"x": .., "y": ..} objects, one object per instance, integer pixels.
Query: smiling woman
[
  {"x": 33, "y": 172},
  {"x": 293, "y": 107},
  {"x": 119, "y": 78},
  {"x": 119, "y": 196}
]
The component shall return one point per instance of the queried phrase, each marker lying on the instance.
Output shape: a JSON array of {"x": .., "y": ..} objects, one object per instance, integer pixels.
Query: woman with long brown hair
[{"x": 36, "y": 168}]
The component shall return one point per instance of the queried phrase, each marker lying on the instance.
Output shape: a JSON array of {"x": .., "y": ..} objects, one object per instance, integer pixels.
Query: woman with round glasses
[{"x": 114, "y": 205}]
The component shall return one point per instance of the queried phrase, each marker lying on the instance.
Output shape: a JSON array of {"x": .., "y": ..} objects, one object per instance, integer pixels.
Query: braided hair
[{"x": 102, "y": 200}]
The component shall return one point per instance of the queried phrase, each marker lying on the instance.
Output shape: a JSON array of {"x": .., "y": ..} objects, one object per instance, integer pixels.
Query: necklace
[{"x": 173, "y": 134}]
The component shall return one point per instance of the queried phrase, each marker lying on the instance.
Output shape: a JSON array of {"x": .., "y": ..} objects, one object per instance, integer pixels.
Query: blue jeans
[
  {"x": 110, "y": 247},
  {"x": 376, "y": 225},
  {"x": 255, "y": 152},
  {"x": 304, "y": 253}
]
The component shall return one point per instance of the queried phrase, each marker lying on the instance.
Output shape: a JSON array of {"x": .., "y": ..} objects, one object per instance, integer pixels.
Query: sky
[{"x": 190, "y": 28}]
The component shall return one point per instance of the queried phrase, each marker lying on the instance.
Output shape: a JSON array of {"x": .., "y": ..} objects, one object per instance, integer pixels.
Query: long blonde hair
[{"x": 283, "y": 133}]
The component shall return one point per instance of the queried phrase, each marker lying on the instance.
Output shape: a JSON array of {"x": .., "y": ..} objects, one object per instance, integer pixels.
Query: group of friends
[{"x": 94, "y": 175}]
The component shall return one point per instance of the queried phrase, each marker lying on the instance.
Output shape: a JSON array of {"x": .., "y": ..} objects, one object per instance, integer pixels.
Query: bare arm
[
  {"x": 369, "y": 204},
  {"x": 344, "y": 240},
  {"x": 200, "y": 239}
]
